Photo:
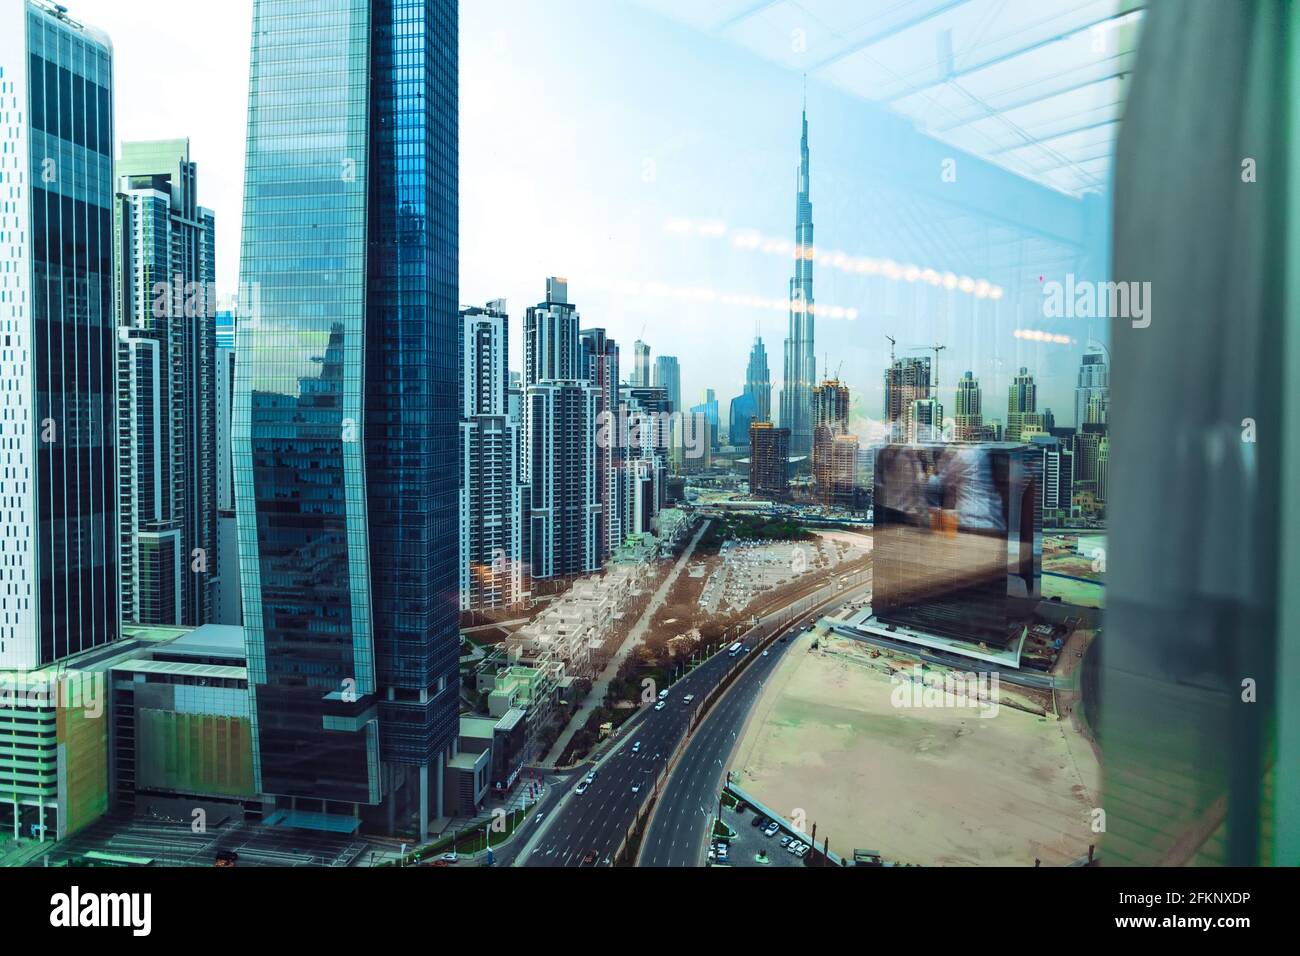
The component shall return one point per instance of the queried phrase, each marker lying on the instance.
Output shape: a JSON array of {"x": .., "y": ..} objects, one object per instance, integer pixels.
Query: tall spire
[{"x": 800, "y": 371}]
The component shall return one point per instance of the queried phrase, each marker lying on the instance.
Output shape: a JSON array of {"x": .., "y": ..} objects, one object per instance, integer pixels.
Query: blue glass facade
[
  {"x": 345, "y": 418},
  {"x": 63, "y": 347}
]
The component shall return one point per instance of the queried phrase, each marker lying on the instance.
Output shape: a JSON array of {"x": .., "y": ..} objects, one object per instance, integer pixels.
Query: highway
[
  {"x": 597, "y": 821},
  {"x": 679, "y": 829}
]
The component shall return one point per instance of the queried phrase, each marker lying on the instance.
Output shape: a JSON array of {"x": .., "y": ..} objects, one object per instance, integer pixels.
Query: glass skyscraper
[
  {"x": 58, "y": 579},
  {"x": 345, "y": 419}
]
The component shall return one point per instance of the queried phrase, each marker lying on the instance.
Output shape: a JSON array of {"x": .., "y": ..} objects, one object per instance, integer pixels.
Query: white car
[
  {"x": 794, "y": 846},
  {"x": 449, "y": 857},
  {"x": 802, "y": 850},
  {"x": 636, "y": 788},
  {"x": 582, "y": 787},
  {"x": 636, "y": 746},
  {"x": 659, "y": 706},
  {"x": 765, "y": 653}
]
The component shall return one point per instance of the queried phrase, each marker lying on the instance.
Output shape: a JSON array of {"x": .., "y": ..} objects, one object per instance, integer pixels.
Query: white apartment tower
[{"x": 491, "y": 502}]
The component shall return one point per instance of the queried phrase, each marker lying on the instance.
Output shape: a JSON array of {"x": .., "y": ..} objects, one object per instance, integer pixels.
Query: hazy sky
[{"x": 651, "y": 166}]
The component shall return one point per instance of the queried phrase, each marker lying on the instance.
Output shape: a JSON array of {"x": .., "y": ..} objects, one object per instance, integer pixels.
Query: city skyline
[
  {"x": 311, "y": 560},
  {"x": 652, "y": 211}
]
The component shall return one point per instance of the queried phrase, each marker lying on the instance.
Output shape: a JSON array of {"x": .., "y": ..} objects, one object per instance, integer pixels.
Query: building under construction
[
  {"x": 834, "y": 451},
  {"x": 769, "y": 455}
]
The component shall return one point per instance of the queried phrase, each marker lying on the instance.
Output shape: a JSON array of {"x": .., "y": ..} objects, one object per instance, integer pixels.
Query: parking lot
[{"x": 751, "y": 847}]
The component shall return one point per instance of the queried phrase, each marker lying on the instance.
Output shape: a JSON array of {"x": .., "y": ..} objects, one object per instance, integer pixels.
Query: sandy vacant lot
[{"x": 921, "y": 785}]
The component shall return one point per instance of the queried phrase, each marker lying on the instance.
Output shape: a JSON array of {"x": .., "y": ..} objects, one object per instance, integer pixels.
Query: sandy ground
[
  {"x": 921, "y": 785},
  {"x": 1081, "y": 593}
]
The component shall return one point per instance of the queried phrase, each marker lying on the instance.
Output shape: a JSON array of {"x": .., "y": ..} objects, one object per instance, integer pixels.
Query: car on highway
[
  {"x": 765, "y": 653},
  {"x": 449, "y": 857},
  {"x": 590, "y": 777},
  {"x": 688, "y": 698},
  {"x": 636, "y": 746},
  {"x": 660, "y": 705},
  {"x": 663, "y": 694},
  {"x": 636, "y": 788},
  {"x": 582, "y": 787}
]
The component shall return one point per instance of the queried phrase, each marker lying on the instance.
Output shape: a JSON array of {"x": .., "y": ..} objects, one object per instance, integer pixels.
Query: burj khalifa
[{"x": 800, "y": 365}]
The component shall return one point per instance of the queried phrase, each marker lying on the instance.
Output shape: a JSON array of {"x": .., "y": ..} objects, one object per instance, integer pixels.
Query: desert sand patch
[{"x": 934, "y": 786}]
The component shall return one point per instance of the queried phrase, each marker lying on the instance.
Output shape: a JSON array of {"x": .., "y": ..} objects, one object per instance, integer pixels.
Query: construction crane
[
  {"x": 892, "y": 342},
  {"x": 936, "y": 349}
]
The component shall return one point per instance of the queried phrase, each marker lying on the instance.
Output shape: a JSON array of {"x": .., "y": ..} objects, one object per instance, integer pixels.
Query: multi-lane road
[
  {"x": 593, "y": 824},
  {"x": 679, "y": 830}
]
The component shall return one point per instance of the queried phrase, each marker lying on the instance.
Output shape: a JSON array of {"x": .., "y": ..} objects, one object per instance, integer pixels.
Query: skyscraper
[
  {"x": 641, "y": 364},
  {"x": 59, "y": 576},
  {"x": 800, "y": 371},
  {"x": 834, "y": 450},
  {"x": 758, "y": 381},
  {"x": 1093, "y": 386},
  {"x": 600, "y": 367},
  {"x": 769, "y": 456},
  {"x": 561, "y": 406},
  {"x": 491, "y": 508},
  {"x": 968, "y": 420},
  {"x": 345, "y": 423},
  {"x": 168, "y": 441},
  {"x": 647, "y": 411},
  {"x": 906, "y": 381},
  {"x": 668, "y": 376},
  {"x": 1023, "y": 418},
  {"x": 743, "y": 413}
]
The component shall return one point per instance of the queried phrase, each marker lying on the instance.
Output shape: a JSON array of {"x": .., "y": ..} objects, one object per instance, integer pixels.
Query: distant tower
[
  {"x": 968, "y": 420},
  {"x": 1093, "y": 386},
  {"x": 668, "y": 376},
  {"x": 800, "y": 371},
  {"x": 1022, "y": 407},
  {"x": 640, "y": 364},
  {"x": 758, "y": 381}
]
